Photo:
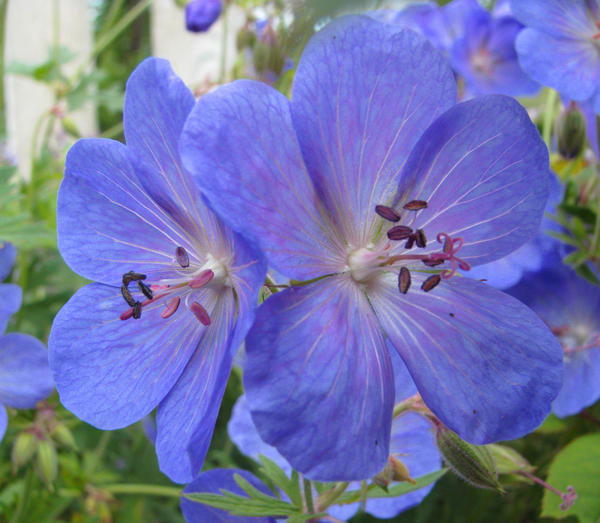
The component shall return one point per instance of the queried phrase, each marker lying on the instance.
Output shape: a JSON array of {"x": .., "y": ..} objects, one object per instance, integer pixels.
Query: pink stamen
[
  {"x": 155, "y": 287},
  {"x": 200, "y": 313},
  {"x": 171, "y": 307},
  {"x": 202, "y": 279}
]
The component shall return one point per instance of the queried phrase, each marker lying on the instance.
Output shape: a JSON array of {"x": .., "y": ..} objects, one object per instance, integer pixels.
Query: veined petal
[
  {"x": 356, "y": 130},
  {"x": 107, "y": 223},
  {"x": 570, "y": 66},
  {"x": 8, "y": 253},
  {"x": 483, "y": 170},
  {"x": 110, "y": 372},
  {"x": 157, "y": 103},
  {"x": 242, "y": 135},
  {"x": 10, "y": 301},
  {"x": 214, "y": 481},
  {"x": 25, "y": 376},
  {"x": 186, "y": 416},
  {"x": 484, "y": 363},
  {"x": 309, "y": 351}
]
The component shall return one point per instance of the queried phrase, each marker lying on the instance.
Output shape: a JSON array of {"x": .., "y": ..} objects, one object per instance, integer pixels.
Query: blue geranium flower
[
  {"x": 25, "y": 377},
  {"x": 480, "y": 45},
  {"x": 372, "y": 132},
  {"x": 571, "y": 307},
  {"x": 560, "y": 47},
  {"x": 412, "y": 442},
  {"x": 189, "y": 302},
  {"x": 201, "y": 14}
]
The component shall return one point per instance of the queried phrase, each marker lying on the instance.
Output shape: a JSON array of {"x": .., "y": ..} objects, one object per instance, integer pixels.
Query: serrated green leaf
[
  {"x": 585, "y": 214},
  {"x": 585, "y": 272},
  {"x": 393, "y": 492},
  {"x": 278, "y": 477},
  {"x": 241, "y": 505},
  {"x": 564, "y": 238},
  {"x": 576, "y": 465}
]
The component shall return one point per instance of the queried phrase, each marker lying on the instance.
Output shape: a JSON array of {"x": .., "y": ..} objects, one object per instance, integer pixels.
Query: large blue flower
[
  {"x": 191, "y": 295},
  {"x": 571, "y": 307},
  {"x": 25, "y": 377},
  {"x": 480, "y": 45},
  {"x": 560, "y": 47},
  {"x": 372, "y": 122}
]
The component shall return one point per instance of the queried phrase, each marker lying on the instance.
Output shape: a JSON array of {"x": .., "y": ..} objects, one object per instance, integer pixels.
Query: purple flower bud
[{"x": 201, "y": 14}]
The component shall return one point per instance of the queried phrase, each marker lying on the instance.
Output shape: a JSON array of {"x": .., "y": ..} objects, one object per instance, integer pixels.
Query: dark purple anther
[
  {"x": 182, "y": 257},
  {"x": 410, "y": 242},
  {"x": 137, "y": 310},
  {"x": 431, "y": 282},
  {"x": 387, "y": 213},
  {"x": 420, "y": 238},
  {"x": 399, "y": 232},
  {"x": 404, "y": 280},
  {"x": 433, "y": 263},
  {"x": 415, "y": 205}
]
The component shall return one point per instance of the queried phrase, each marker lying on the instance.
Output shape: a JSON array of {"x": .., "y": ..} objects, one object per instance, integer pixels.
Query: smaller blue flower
[
  {"x": 571, "y": 307},
  {"x": 201, "y": 14},
  {"x": 560, "y": 47},
  {"x": 25, "y": 376}
]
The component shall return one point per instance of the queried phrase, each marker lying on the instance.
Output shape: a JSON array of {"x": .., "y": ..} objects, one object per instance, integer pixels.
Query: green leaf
[
  {"x": 576, "y": 465},
  {"x": 278, "y": 477},
  {"x": 585, "y": 272},
  {"x": 393, "y": 492},
  {"x": 552, "y": 424}
]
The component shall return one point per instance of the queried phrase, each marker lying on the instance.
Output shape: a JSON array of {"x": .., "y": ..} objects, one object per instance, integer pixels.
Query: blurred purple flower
[
  {"x": 480, "y": 45},
  {"x": 375, "y": 125},
  {"x": 25, "y": 377},
  {"x": 412, "y": 442},
  {"x": 201, "y": 14},
  {"x": 560, "y": 46},
  {"x": 571, "y": 307},
  {"x": 134, "y": 207}
]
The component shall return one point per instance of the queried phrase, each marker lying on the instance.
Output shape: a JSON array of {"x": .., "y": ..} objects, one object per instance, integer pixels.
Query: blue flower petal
[
  {"x": 243, "y": 136},
  {"x": 310, "y": 350},
  {"x": 581, "y": 384},
  {"x": 10, "y": 301},
  {"x": 110, "y": 372},
  {"x": 25, "y": 376},
  {"x": 484, "y": 363},
  {"x": 8, "y": 253},
  {"x": 483, "y": 169},
  {"x": 364, "y": 93},
  {"x": 214, "y": 481},
  {"x": 3, "y": 421}
]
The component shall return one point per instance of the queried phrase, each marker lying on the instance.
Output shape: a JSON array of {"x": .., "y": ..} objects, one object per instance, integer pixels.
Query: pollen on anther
[
  {"x": 399, "y": 232},
  {"x": 182, "y": 257},
  {"x": 200, "y": 313},
  {"x": 171, "y": 307},
  {"x": 387, "y": 213},
  {"x": 404, "y": 280},
  {"x": 202, "y": 279},
  {"x": 415, "y": 205},
  {"x": 431, "y": 282}
]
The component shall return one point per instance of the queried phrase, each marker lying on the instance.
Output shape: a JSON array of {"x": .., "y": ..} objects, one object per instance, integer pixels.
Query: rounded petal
[
  {"x": 186, "y": 417},
  {"x": 25, "y": 376},
  {"x": 364, "y": 93},
  {"x": 107, "y": 223},
  {"x": 8, "y": 253},
  {"x": 109, "y": 372},
  {"x": 571, "y": 66},
  {"x": 581, "y": 384},
  {"x": 483, "y": 169},
  {"x": 241, "y": 148},
  {"x": 10, "y": 301},
  {"x": 484, "y": 363},
  {"x": 214, "y": 481},
  {"x": 309, "y": 351}
]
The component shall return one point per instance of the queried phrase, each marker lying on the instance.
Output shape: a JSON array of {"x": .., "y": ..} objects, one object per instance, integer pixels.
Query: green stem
[
  {"x": 98, "y": 451},
  {"x": 3, "y": 9},
  {"x": 105, "y": 40},
  {"x": 551, "y": 99},
  {"x": 330, "y": 497},
  {"x": 223, "y": 62},
  {"x": 308, "y": 495},
  {"x": 135, "y": 488},
  {"x": 19, "y": 514}
]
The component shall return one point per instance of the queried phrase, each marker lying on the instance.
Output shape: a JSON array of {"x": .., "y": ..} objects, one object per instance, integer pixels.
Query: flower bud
[
  {"x": 473, "y": 463},
  {"x": 64, "y": 436},
  {"x": 570, "y": 132},
  {"x": 23, "y": 449},
  {"x": 46, "y": 461},
  {"x": 508, "y": 460},
  {"x": 201, "y": 14},
  {"x": 400, "y": 471}
]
